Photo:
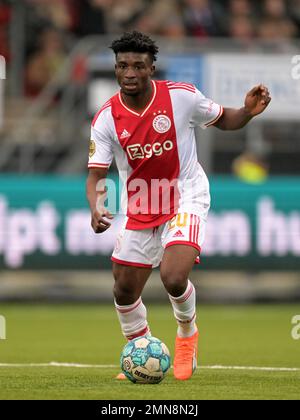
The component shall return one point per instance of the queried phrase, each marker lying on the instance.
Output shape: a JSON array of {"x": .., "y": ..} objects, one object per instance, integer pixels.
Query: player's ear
[
  {"x": 153, "y": 69},
  {"x": 116, "y": 70}
]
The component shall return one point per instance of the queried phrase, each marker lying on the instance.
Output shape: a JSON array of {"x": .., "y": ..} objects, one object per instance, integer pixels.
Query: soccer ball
[{"x": 145, "y": 360}]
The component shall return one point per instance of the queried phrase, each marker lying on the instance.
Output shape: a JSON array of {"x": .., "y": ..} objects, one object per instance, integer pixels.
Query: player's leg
[
  {"x": 177, "y": 263},
  {"x": 182, "y": 239},
  {"x": 132, "y": 313},
  {"x": 176, "y": 266},
  {"x": 133, "y": 259},
  {"x": 134, "y": 256}
]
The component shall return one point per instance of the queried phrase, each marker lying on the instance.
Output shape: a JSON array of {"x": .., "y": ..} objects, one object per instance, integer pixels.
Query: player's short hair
[{"x": 135, "y": 42}]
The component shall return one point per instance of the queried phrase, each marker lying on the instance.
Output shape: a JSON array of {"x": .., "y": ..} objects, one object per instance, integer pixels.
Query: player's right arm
[
  {"x": 100, "y": 159},
  {"x": 96, "y": 195}
]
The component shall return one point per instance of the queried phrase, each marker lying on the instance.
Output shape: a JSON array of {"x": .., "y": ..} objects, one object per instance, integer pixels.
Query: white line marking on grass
[
  {"x": 56, "y": 364},
  {"x": 251, "y": 368},
  {"x": 86, "y": 366}
]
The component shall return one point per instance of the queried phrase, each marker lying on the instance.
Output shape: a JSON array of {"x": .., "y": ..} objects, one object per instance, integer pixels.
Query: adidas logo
[
  {"x": 125, "y": 134},
  {"x": 178, "y": 234}
]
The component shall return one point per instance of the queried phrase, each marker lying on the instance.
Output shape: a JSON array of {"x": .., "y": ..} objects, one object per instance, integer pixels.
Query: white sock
[
  {"x": 185, "y": 311},
  {"x": 133, "y": 319}
]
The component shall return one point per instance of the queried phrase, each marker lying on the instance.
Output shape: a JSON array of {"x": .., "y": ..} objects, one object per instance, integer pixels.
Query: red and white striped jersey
[{"x": 155, "y": 152}]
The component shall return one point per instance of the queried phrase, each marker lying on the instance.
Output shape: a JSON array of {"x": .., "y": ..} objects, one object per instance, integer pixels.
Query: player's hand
[
  {"x": 99, "y": 222},
  {"x": 257, "y": 100}
]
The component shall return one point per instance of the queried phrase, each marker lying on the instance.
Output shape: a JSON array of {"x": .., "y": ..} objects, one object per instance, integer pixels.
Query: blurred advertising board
[
  {"x": 228, "y": 77},
  {"x": 224, "y": 77},
  {"x": 45, "y": 224}
]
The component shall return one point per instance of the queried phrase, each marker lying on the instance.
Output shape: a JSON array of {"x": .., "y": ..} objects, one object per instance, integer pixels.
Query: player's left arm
[{"x": 257, "y": 100}]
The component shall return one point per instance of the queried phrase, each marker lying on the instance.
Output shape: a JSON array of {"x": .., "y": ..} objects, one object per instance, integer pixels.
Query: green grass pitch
[{"x": 231, "y": 336}]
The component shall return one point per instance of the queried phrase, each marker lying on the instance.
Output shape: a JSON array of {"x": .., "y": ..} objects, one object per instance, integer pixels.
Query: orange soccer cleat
[
  {"x": 121, "y": 377},
  {"x": 185, "y": 361}
]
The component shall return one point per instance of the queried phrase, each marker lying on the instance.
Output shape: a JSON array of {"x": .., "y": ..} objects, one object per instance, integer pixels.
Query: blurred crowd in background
[{"x": 52, "y": 26}]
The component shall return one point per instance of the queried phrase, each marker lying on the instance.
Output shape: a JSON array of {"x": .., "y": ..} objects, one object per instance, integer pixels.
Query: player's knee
[
  {"x": 128, "y": 286},
  {"x": 124, "y": 294},
  {"x": 174, "y": 282}
]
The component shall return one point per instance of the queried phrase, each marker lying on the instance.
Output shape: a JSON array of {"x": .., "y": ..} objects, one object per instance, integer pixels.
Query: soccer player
[{"x": 149, "y": 128}]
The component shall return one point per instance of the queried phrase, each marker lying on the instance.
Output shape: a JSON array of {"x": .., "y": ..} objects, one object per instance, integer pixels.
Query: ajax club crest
[{"x": 162, "y": 124}]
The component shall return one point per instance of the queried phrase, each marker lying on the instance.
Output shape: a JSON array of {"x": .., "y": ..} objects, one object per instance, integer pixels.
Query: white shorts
[{"x": 145, "y": 248}]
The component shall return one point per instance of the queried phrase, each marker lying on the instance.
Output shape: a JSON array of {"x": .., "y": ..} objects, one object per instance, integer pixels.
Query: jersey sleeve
[
  {"x": 100, "y": 152},
  {"x": 206, "y": 112}
]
